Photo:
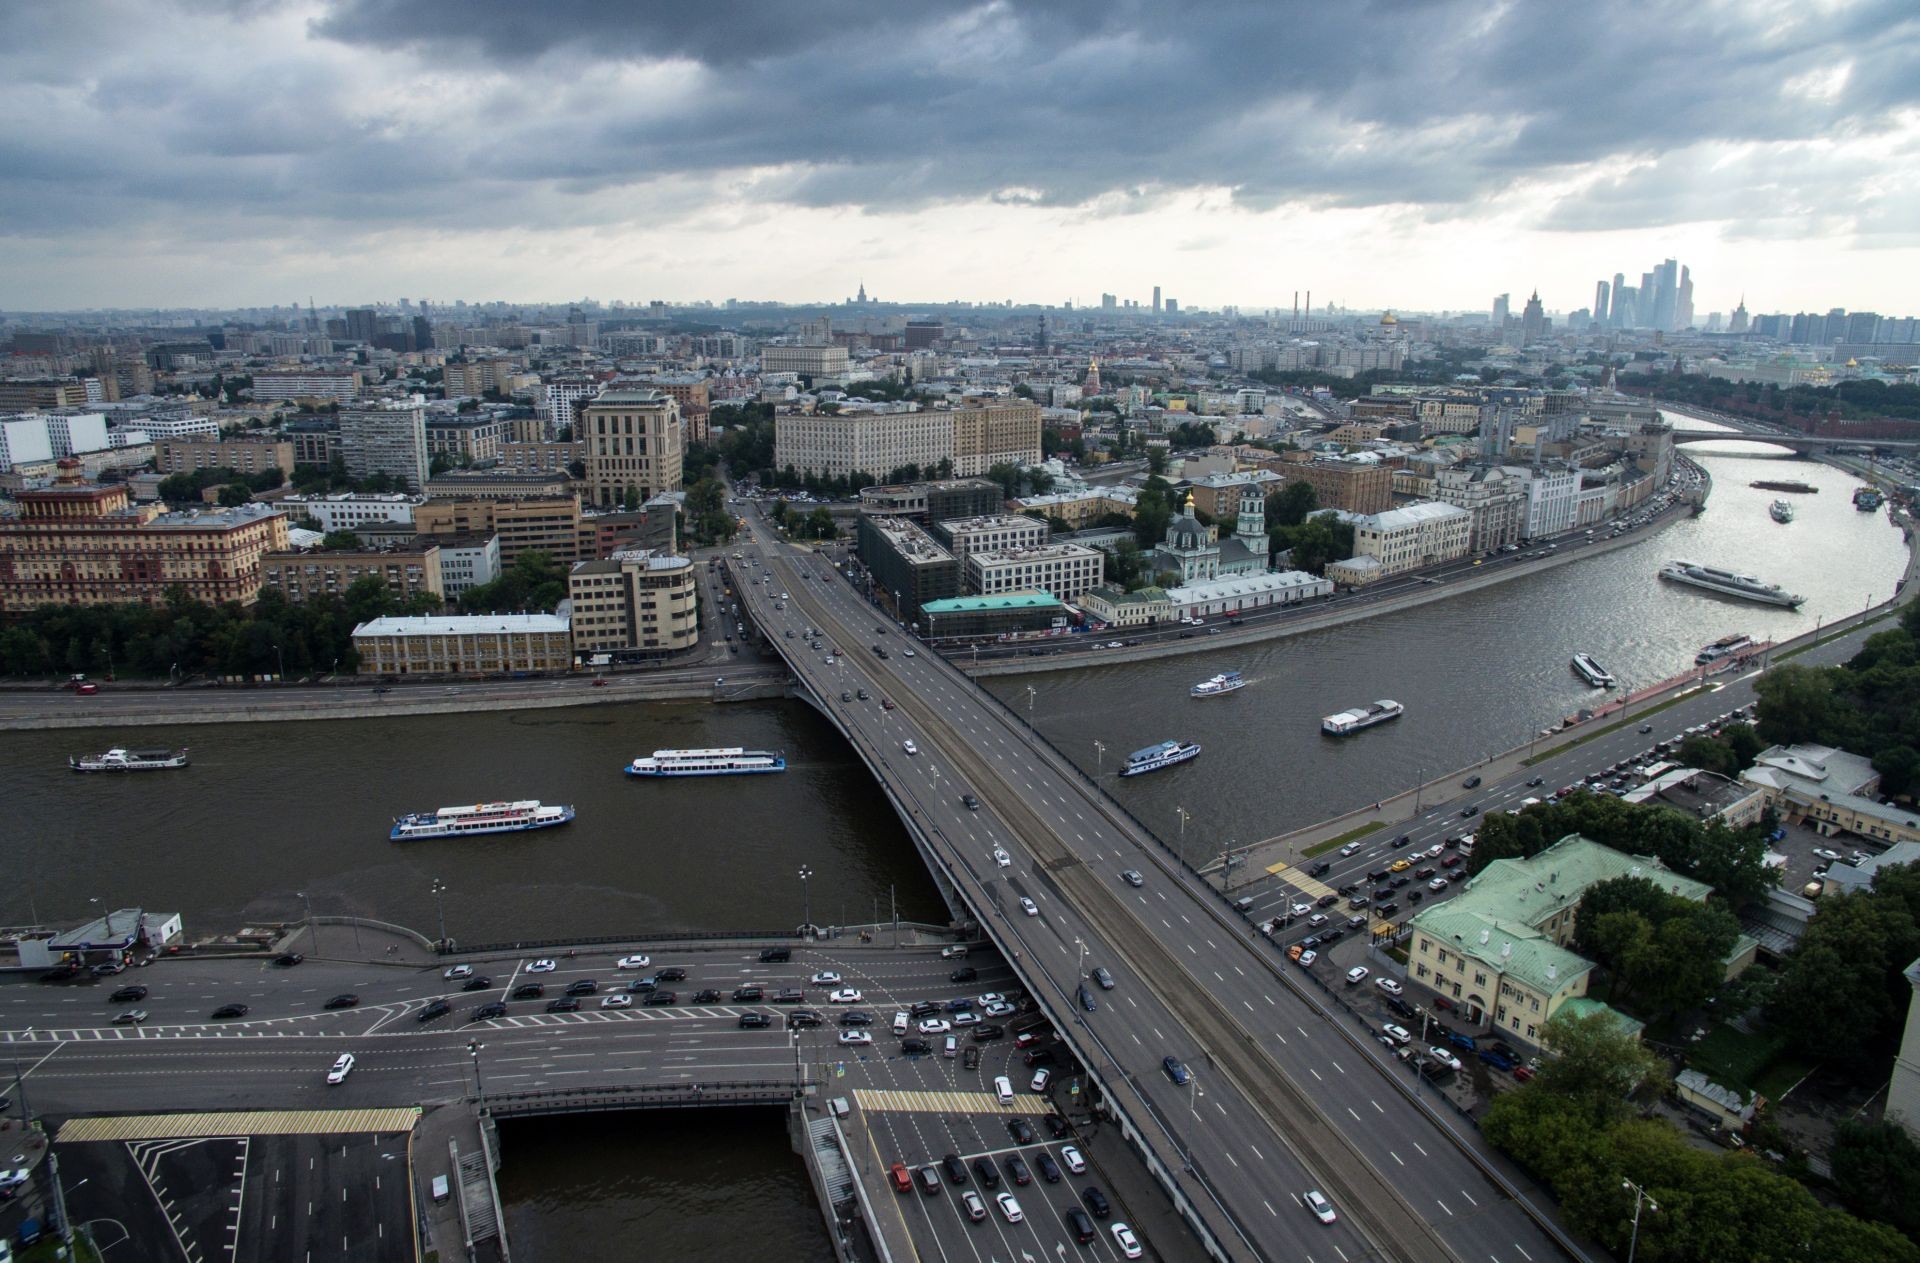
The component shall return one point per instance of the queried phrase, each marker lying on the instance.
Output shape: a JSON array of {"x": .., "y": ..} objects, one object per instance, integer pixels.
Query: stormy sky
[{"x": 1418, "y": 154}]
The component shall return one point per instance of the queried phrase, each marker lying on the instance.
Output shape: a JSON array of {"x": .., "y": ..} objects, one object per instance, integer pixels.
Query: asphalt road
[{"x": 1411, "y": 1166}]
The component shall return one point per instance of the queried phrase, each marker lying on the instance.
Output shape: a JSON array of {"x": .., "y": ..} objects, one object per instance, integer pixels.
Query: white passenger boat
[
  {"x": 120, "y": 759},
  {"x": 1225, "y": 682},
  {"x": 725, "y": 761},
  {"x": 1592, "y": 672},
  {"x": 455, "y": 822},
  {"x": 1153, "y": 758},
  {"x": 1351, "y": 721},
  {"x": 1727, "y": 583}
]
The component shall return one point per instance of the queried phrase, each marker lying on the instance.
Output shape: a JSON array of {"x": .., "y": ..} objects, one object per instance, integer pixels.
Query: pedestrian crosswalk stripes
[
  {"x": 947, "y": 1102},
  {"x": 1311, "y": 887},
  {"x": 236, "y": 1123}
]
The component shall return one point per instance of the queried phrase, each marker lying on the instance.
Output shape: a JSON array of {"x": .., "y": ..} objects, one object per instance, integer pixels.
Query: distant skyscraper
[
  {"x": 1600, "y": 294},
  {"x": 1156, "y": 300},
  {"x": 1683, "y": 302},
  {"x": 1533, "y": 321},
  {"x": 1619, "y": 288},
  {"x": 1107, "y": 302},
  {"x": 1500, "y": 312},
  {"x": 361, "y": 324},
  {"x": 1739, "y": 322}
]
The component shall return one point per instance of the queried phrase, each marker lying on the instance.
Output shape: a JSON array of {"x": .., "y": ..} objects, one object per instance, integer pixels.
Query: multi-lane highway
[{"x": 1281, "y": 1098}]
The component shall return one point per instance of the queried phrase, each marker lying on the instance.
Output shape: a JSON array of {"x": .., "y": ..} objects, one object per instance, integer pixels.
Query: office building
[
  {"x": 1398, "y": 540},
  {"x": 997, "y": 434},
  {"x": 473, "y": 644},
  {"x": 24, "y": 441},
  {"x": 345, "y": 510},
  {"x": 811, "y": 363},
  {"x": 965, "y": 536},
  {"x": 390, "y": 440},
  {"x": 316, "y": 440},
  {"x": 937, "y": 501},
  {"x": 306, "y": 386},
  {"x": 498, "y": 484},
  {"x": 1601, "y": 291},
  {"x": 986, "y": 617},
  {"x": 1500, "y": 313},
  {"x": 22, "y": 394},
  {"x": 244, "y": 454},
  {"x": 542, "y": 457},
  {"x": 77, "y": 543},
  {"x": 1064, "y": 570},
  {"x": 864, "y": 445},
  {"x": 405, "y": 571},
  {"x": 1533, "y": 321},
  {"x": 1156, "y": 300},
  {"x": 908, "y": 568},
  {"x": 1496, "y": 497},
  {"x": 637, "y": 603},
  {"x": 634, "y": 446},
  {"x": 464, "y": 439},
  {"x": 467, "y": 560},
  {"x": 552, "y": 525},
  {"x": 1351, "y": 486}
]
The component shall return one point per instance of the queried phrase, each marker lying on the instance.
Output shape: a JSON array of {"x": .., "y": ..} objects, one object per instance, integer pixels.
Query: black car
[
  {"x": 956, "y": 1169},
  {"x": 803, "y": 1017},
  {"x": 1056, "y": 1126},
  {"x": 65, "y": 973},
  {"x": 240, "y": 1010},
  {"x": 660, "y": 998},
  {"x": 1039, "y": 1057},
  {"x": 1415, "y": 896},
  {"x": 988, "y": 1173},
  {"x": 1399, "y": 880},
  {"x": 529, "y": 991},
  {"x": 968, "y": 974},
  {"x": 1472, "y": 782},
  {"x": 346, "y": 1001},
  {"x": 1048, "y": 1168},
  {"x": 747, "y": 995},
  {"x": 1424, "y": 873},
  {"x": 439, "y": 1008},
  {"x": 1175, "y": 1071},
  {"x": 1387, "y": 909},
  {"x": 675, "y": 974},
  {"x": 1469, "y": 811},
  {"x": 478, "y": 983},
  {"x": 287, "y": 960},
  {"x": 926, "y": 1008},
  {"x": 1018, "y": 1169},
  {"x": 915, "y": 1047},
  {"x": 1320, "y": 869},
  {"x": 856, "y": 1017},
  {"x": 789, "y": 995},
  {"x": 565, "y": 1004},
  {"x": 1077, "y": 1223},
  {"x": 136, "y": 992},
  {"x": 1085, "y": 995},
  {"x": 1400, "y": 1006},
  {"x": 1096, "y": 1202},
  {"x": 754, "y": 1021},
  {"x": 1311, "y": 940},
  {"x": 1402, "y": 840},
  {"x": 643, "y": 984},
  {"x": 1101, "y": 976},
  {"x": 1018, "y": 1129},
  {"x": 969, "y": 802},
  {"x": 584, "y": 986},
  {"x": 486, "y": 1011},
  {"x": 1382, "y": 892},
  {"x": 776, "y": 955},
  {"x": 1536, "y": 782},
  {"x": 1332, "y": 935},
  {"x": 962, "y": 1005},
  {"x": 708, "y": 996},
  {"x": 1376, "y": 874},
  {"x": 986, "y": 1032},
  {"x": 971, "y": 1059}
]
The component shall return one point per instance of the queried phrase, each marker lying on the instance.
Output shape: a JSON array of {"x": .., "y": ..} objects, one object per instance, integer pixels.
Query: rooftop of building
[
  {"x": 1039, "y": 552},
  {"x": 1410, "y": 515},
  {"x": 419, "y": 546},
  {"x": 1696, "y": 792},
  {"x": 450, "y": 541},
  {"x": 1140, "y": 596},
  {"x": 991, "y": 522},
  {"x": 626, "y": 397},
  {"x": 118, "y": 929},
  {"x": 357, "y": 497},
  {"x": 463, "y": 625},
  {"x": 215, "y": 519},
  {"x": 1033, "y": 599},
  {"x": 1241, "y": 585},
  {"x": 1820, "y": 769}
]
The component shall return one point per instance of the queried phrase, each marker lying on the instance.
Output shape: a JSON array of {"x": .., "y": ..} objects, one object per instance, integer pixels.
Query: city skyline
[{"x": 996, "y": 152}]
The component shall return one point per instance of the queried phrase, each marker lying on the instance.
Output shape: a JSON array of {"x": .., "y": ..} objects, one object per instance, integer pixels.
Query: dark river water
[{"x": 272, "y": 809}]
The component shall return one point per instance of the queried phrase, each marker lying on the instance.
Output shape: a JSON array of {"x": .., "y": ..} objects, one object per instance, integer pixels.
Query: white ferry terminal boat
[
  {"x": 1351, "y": 721},
  {"x": 1728, "y": 583},
  {"x": 455, "y": 822},
  {"x": 1226, "y": 682},
  {"x": 120, "y": 759},
  {"x": 1153, "y": 758},
  {"x": 1592, "y": 672},
  {"x": 725, "y": 761}
]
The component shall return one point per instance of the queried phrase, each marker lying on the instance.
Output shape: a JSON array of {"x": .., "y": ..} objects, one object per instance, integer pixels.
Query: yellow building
[
  {"x": 634, "y": 445},
  {"x": 249, "y": 455},
  {"x": 552, "y": 525},
  {"x": 302, "y": 576},
  {"x": 636, "y": 599},
  {"x": 79, "y": 544},
  {"x": 467, "y": 644}
]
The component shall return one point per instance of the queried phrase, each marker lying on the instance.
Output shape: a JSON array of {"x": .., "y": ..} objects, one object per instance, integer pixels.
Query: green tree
[
  {"x": 336, "y": 541},
  {"x": 820, "y": 524},
  {"x": 1597, "y": 1064},
  {"x": 1840, "y": 993},
  {"x": 1156, "y": 460},
  {"x": 234, "y": 494},
  {"x": 1876, "y": 1169}
]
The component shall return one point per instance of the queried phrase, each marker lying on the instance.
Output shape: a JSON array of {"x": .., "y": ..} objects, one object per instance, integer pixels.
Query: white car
[
  {"x": 909, "y": 747},
  {"x": 1389, "y": 985},
  {"x": 634, "y": 962},
  {"x": 845, "y": 995},
  {"x": 966, "y": 1018},
  {"x": 900, "y": 1020},
  {"x": 1435, "y": 851},
  {"x": 1437, "y": 885},
  {"x": 860, "y": 1038},
  {"x": 616, "y": 1002},
  {"x": 14, "y": 1178},
  {"x": 1307, "y": 958},
  {"x": 458, "y": 971},
  {"x": 1357, "y": 975},
  {"x": 1398, "y": 1034},
  {"x": 1003, "y": 1009},
  {"x": 1826, "y": 853},
  {"x": 1029, "y": 907},
  {"x": 990, "y": 999},
  {"x": 825, "y": 978},
  {"x": 1444, "y": 1057},
  {"x": 935, "y": 1026},
  {"x": 342, "y": 1067},
  {"x": 908, "y": 652},
  {"x": 1301, "y": 909},
  {"x": 1010, "y": 1207},
  {"x": 1075, "y": 1163},
  {"x": 1041, "y": 1078},
  {"x": 1317, "y": 1203},
  {"x": 542, "y": 967},
  {"x": 1128, "y": 1243},
  {"x": 1001, "y": 857},
  {"x": 783, "y": 596},
  {"x": 1349, "y": 848}
]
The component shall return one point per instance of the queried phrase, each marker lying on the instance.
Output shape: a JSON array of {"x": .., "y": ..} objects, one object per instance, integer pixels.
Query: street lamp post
[
  {"x": 1032, "y": 693},
  {"x": 1082, "y": 945},
  {"x": 440, "y": 905},
  {"x": 1639, "y": 1198},
  {"x": 806, "y": 900},
  {"x": 282, "y": 658},
  {"x": 1099, "y": 754},
  {"x": 479, "y": 1088},
  {"x": 106, "y": 913},
  {"x": 313, "y": 931},
  {"x": 1184, "y": 814}
]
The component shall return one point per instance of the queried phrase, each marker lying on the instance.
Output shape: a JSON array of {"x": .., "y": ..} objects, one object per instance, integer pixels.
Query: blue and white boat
[
  {"x": 1153, "y": 758},
  {"x": 1226, "y": 682},
  {"x": 726, "y": 761},
  {"x": 457, "y": 822}
]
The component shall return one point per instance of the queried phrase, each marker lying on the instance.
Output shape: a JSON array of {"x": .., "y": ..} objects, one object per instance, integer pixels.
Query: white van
[
  {"x": 953, "y": 1047},
  {"x": 957, "y": 952},
  {"x": 900, "y": 1020},
  {"x": 1003, "y": 1088}
]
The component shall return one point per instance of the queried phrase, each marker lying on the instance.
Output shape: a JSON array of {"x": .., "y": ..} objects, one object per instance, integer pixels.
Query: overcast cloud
[{"x": 1415, "y": 153}]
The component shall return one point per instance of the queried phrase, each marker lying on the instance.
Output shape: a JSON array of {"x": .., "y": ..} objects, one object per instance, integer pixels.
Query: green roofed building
[
  {"x": 971, "y": 616},
  {"x": 1499, "y": 949}
]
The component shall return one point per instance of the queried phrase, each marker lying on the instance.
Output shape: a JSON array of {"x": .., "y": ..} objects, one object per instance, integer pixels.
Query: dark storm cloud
[{"x": 1441, "y": 104}]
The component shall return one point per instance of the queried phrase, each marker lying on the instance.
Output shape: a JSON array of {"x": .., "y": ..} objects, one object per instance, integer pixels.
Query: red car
[
  {"x": 84, "y": 689},
  {"x": 902, "y": 1182}
]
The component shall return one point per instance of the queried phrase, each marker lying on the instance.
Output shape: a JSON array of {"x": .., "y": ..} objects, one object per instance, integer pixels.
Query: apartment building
[
  {"x": 996, "y": 434},
  {"x": 1065, "y": 570},
  {"x": 542, "y": 457},
  {"x": 1403, "y": 539},
  {"x": 307, "y": 386},
  {"x": 248, "y": 454},
  {"x": 316, "y": 441},
  {"x": 467, "y": 560},
  {"x": 634, "y": 445},
  {"x": 77, "y": 543},
  {"x": 937, "y": 501},
  {"x": 1350, "y": 486},
  {"x": 1494, "y": 494},
  {"x": 347, "y": 510},
  {"x": 468, "y": 644},
  {"x": 867, "y": 444},
  {"x": 302, "y": 576},
  {"x": 464, "y": 440},
  {"x": 552, "y": 525},
  {"x": 809, "y": 362},
  {"x": 966, "y": 536},
  {"x": 635, "y": 600},
  {"x": 497, "y": 484},
  {"x": 391, "y": 440},
  {"x": 21, "y": 394}
]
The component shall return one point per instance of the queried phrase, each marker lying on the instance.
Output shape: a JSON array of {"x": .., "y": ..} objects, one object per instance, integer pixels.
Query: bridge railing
[{"x": 648, "y": 1096}]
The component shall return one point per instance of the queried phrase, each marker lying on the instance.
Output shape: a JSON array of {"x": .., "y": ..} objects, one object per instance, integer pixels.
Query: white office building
[
  {"x": 868, "y": 443},
  {"x": 1552, "y": 498},
  {"x": 1403, "y": 539},
  {"x": 966, "y": 536},
  {"x": 1065, "y": 570},
  {"x": 23, "y": 441},
  {"x": 350, "y": 509}
]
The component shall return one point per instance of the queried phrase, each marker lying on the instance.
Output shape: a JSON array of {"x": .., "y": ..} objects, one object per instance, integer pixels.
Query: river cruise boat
[
  {"x": 1727, "y": 583},
  {"x": 1867, "y": 499},
  {"x": 1797, "y": 488},
  {"x": 1721, "y": 648},
  {"x": 123, "y": 760},
  {"x": 456, "y": 822},
  {"x": 728, "y": 761},
  {"x": 1226, "y": 682},
  {"x": 1153, "y": 758},
  {"x": 1780, "y": 511},
  {"x": 1592, "y": 672},
  {"x": 1351, "y": 721}
]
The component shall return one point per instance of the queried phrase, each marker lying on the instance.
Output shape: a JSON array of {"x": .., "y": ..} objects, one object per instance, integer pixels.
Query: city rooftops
[
  {"x": 464, "y": 625},
  {"x": 1039, "y": 552},
  {"x": 991, "y": 522},
  {"x": 1409, "y": 515},
  {"x": 215, "y": 519},
  {"x": 630, "y": 398},
  {"x": 1032, "y": 600}
]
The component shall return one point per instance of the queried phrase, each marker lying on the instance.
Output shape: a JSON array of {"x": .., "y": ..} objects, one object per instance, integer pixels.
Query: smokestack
[
  {"x": 1309, "y": 304},
  {"x": 1296, "y": 304}
]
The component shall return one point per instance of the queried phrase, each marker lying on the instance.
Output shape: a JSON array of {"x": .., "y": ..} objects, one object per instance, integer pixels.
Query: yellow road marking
[
  {"x": 1312, "y": 887},
  {"x": 947, "y": 1102},
  {"x": 237, "y": 1123}
]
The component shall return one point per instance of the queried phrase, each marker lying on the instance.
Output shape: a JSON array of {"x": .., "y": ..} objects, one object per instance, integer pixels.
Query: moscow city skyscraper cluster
[{"x": 1662, "y": 300}]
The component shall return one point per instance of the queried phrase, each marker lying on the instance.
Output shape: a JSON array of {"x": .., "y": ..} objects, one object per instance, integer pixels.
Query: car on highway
[
  {"x": 285, "y": 960},
  {"x": 909, "y": 747},
  {"x": 1096, "y": 1201},
  {"x": 479, "y": 982},
  {"x": 908, "y": 652},
  {"x": 132, "y": 992},
  {"x": 1001, "y": 857},
  {"x": 825, "y": 978},
  {"x": 633, "y": 962},
  {"x": 487, "y": 1012},
  {"x": 616, "y": 1002},
  {"x": 565, "y": 1004},
  {"x": 528, "y": 991},
  {"x": 345, "y": 1000},
  {"x": 230, "y": 1010},
  {"x": 934, "y": 1026},
  {"x": 1103, "y": 977},
  {"x": 1317, "y": 1202},
  {"x": 1021, "y": 1132},
  {"x": 1469, "y": 811},
  {"x": 439, "y": 1008},
  {"x": 1010, "y": 1207},
  {"x": 661, "y": 998},
  {"x": 1175, "y": 1071},
  {"x": 672, "y": 975},
  {"x": 1132, "y": 877},
  {"x": 542, "y": 966},
  {"x": 1472, "y": 782},
  {"x": 1399, "y": 866},
  {"x": 1071, "y": 1156},
  {"x": 845, "y": 995},
  {"x": 1350, "y": 849},
  {"x": 457, "y": 971},
  {"x": 999, "y": 1008},
  {"x": 1029, "y": 907},
  {"x": 969, "y": 802},
  {"x": 755, "y": 1021},
  {"x": 966, "y": 973},
  {"x": 1128, "y": 1244},
  {"x": 129, "y": 1017},
  {"x": 856, "y": 1038},
  {"x": 582, "y": 986},
  {"x": 1041, "y": 1078},
  {"x": 976, "y": 1209}
]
